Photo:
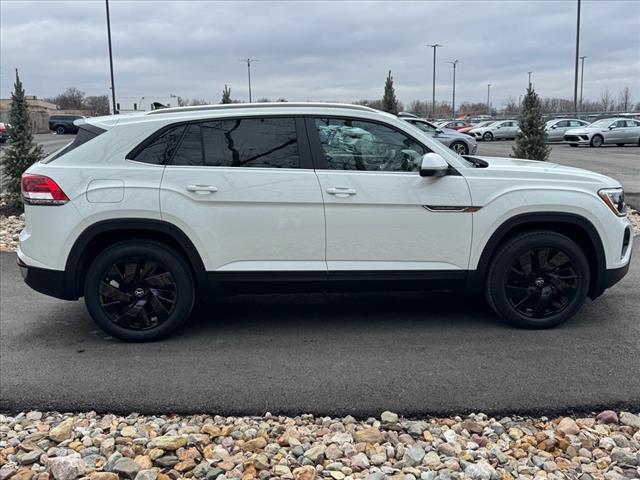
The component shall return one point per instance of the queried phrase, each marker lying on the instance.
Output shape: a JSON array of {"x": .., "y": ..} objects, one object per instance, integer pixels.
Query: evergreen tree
[
  {"x": 389, "y": 101},
  {"x": 22, "y": 152},
  {"x": 531, "y": 140},
  {"x": 226, "y": 95}
]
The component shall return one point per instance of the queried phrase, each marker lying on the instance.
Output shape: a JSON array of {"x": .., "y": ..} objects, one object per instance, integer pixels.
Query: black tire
[
  {"x": 620, "y": 144},
  {"x": 487, "y": 136},
  {"x": 460, "y": 148},
  {"x": 573, "y": 144},
  {"x": 553, "y": 300},
  {"x": 139, "y": 310},
  {"x": 60, "y": 130},
  {"x": 597, "y": 141}
]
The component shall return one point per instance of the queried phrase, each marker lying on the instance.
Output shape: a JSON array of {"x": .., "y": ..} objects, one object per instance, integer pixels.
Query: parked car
[
  {"x": 62, "y": 124},
  {"x": 557, "y": 128},
  {"x": 455, "y": 124},
  {"x": 145, "y": 215},
  {"x": 618, "y": 131},
  {"x": 4, "y": 132},
  {"x": 502, "y": 129},
  {"x": 459, "y": 143},
  {"x": 475, "y": 125}
]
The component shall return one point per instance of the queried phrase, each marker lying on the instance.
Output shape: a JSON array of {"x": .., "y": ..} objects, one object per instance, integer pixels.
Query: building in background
[
  {"x": 144, "y": 104},
  {"x": 39, "y": 110}
]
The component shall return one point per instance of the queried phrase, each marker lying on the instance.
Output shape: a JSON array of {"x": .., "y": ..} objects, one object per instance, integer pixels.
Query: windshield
[
  {"x": 602, "y": 123},
  {"x": 485, "y": 124},
  {"x": 424, "y": 126}
]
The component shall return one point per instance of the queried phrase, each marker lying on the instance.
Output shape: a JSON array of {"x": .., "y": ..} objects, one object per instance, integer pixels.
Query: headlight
[{"x": 614, "y": 198}]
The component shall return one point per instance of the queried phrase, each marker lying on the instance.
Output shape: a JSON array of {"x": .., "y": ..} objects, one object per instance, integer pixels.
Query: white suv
[{"x": 143, "y": 214}]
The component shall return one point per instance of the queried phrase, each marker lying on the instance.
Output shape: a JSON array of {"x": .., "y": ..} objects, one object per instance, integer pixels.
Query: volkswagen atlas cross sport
[{"x": 144, "y": 214}]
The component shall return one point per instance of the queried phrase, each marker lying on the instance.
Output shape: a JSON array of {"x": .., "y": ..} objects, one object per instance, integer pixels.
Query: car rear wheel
[
  {"x": 139, "y": 290},
  {"x": 487, "y": 136},
  {"x": 537, "y": 280},
  {"x": 460, "y": 148},
  {"x": 60, "y": 130},
  {"x": 597, "y": 141}
]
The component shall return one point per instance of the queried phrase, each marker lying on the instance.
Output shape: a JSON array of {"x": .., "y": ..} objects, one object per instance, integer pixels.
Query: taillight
[{"x": 41, "y": 190}]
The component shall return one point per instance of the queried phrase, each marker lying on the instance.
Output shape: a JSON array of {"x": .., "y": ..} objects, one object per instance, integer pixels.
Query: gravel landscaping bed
[
  {"x": 43, "y": 446},
  {"x": 10, "y": 227}
]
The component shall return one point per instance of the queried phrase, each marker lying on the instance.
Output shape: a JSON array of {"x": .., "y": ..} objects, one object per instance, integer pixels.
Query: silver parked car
[
  {"x": 618, "y": 131},
  {"x": 558, "y": 127},
  {"x": 458, "y": 142},
  {"x": 502, "y": 129}
]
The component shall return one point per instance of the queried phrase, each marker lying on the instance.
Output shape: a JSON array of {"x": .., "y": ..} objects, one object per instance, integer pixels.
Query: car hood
[
  {"x": 585, "y": 130},
  {"x": 546, "y": 170},
  {"x": 453, "y": 133}
]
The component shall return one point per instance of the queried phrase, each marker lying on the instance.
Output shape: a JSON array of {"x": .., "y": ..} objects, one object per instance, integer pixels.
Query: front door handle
[
  {"x": 342, "y": 192},
  {"x": 202, "y": 189}
]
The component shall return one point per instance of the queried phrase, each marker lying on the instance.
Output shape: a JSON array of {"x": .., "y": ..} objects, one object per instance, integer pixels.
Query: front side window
[
  {"x": 362, "y": 145},
  {"x": 160, "y": 150},
  {"x": 621, "y": 123}
]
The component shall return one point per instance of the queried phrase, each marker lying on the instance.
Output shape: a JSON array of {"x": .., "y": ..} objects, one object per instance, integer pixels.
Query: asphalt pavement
[{"x": 359, "y": 354}]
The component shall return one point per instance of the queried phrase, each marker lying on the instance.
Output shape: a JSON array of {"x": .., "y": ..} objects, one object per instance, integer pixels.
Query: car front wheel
[
  {"x": 487, "y": 136},
  {"x": 460, "y": 148},
  {"x": 139, "y": 290},
  {"x": 597, "y": 141},
  {"x": 60, "y": 130},
  {"x": 537, "y": 279}
]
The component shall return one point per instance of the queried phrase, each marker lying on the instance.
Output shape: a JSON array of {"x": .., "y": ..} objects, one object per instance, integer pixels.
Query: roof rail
[{"x": 197, "y": 108}]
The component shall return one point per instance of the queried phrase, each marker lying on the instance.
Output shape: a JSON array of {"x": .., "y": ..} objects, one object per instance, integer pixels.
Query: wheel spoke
[
  {"x": 543, "y": 302},
  {"x": 160, "y": 280},
  {"x": 111, "y": 292}
]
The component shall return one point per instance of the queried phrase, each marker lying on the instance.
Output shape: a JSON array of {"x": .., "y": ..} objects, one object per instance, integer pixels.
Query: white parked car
[
  {"x": 501, "y": 129},
  {"x": 144, "y": 214},
  {"x": 557, "y": 128},
  {"x": 617, "y": 131}
]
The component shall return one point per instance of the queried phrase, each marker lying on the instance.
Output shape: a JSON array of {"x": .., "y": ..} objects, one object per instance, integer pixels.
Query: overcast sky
[{"x": 319, "y": 50}]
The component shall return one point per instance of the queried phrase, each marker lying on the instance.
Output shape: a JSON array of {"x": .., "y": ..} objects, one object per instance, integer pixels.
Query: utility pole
[
  {"x": 249, "y": 61},
  {"x": 433, "y": 96},
  {"x": 113, "y": 87},
  {"x": 488, "y": 99},
  {"x": 453, "y": 101},
  {"x": 529, "y": 77},
  {"x": 575, "y": 80},
  {"x": 581, "y": 80}
]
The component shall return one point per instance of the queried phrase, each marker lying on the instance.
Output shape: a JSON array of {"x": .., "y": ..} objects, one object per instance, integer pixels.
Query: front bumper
[
  {"x": 43, "y": 280},
  {"x": 577, "y": 139}
]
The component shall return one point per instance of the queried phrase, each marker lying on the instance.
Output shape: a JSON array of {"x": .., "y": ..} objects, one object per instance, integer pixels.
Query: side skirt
[{"x": 229, "y": 283}]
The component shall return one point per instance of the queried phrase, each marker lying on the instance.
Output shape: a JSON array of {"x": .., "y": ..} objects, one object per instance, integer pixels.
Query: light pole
[
  {"x": 575, "y": 80},
  {"x": 433, "y": 96},
  {"x": 113, "y": 87},
  {"x": 249, "y": 61},
  {"x": 488, "y": 99},
  {"x": 453, "y": 101},
  {"x": 581, "y": 80},
  {"x": 529, "y": 77}
]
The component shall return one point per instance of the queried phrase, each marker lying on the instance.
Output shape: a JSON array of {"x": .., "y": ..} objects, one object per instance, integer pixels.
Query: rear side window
[
  {"x": 85, "y": 134},
  {"x": 246, "y": 142},
  {"x": 159, "y": 149}
]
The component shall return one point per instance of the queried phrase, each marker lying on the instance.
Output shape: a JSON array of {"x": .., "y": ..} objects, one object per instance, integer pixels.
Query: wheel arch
[
  {"x": 576, "y": 227},
  {"x": 102, "y": 234}
]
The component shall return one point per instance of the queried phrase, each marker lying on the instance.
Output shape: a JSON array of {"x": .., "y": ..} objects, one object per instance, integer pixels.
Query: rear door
[
  {"x": 381, "y": 215},
  {"x": 246, "y": 191}
]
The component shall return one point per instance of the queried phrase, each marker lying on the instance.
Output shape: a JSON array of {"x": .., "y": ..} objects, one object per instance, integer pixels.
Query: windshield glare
[{"x": 601, "y": 123}]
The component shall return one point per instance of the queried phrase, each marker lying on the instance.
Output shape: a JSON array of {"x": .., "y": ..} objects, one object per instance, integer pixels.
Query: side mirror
[
  {"x": 433, "y": 165},
  {"x": 553, "y": 127},
  {"x": 611, "y": 127},
  {"x": 439, "y": 131}
]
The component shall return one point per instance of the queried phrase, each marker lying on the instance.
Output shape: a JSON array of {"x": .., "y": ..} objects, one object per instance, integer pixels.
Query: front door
[
  {"x": 245, "y": 191},
  {"x": 381, "y": 215}
]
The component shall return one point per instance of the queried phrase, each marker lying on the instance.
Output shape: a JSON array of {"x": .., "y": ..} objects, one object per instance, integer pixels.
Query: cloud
[{"x": 319, "y": 50}]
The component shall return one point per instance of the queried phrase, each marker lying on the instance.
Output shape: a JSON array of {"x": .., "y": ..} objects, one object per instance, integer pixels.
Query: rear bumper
[{"x": 43, "y": 280}]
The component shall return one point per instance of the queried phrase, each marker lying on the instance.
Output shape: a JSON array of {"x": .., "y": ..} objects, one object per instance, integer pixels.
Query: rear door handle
[
  {"x": 341, "y": 192},
  {"x": 202, "y": 189}
]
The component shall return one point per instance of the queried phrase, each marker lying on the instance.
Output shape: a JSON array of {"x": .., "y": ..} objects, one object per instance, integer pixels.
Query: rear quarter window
[{"x": 85, "y": 134}]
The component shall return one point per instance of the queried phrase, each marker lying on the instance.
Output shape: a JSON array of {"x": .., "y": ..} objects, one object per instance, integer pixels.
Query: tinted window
[
  {"x": 160, "y": 150},
  {"x": 251, "y": 142},
  {"x": 84, "y": 135},
  {"x": 621, "y": 123},
  {"x": 562, "y": 123},
  {"x": 190, "y": 150},
  {"x": 360, "y": 145}
]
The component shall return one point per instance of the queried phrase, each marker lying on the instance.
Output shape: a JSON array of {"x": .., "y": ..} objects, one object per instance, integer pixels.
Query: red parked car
[
  {"x": 455, "y": 124},
  {"x": 477, "y": 125}
]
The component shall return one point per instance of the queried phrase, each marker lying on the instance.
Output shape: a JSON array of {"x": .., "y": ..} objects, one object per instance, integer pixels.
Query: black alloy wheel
[
  {"x": 60, "y": 130},
  {"x": 139, "y": 290},
  {"x": 137, "y": 293},
  {"x": 541, "y": 282}
]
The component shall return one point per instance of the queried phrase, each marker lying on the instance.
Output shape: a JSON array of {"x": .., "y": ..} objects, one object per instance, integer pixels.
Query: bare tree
[
  {"x": 624, "y": 99},
  {"x": 71, "y": 99},
  {"x": 606, "y": 100},
  {"x": 99, "y": 105}
]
